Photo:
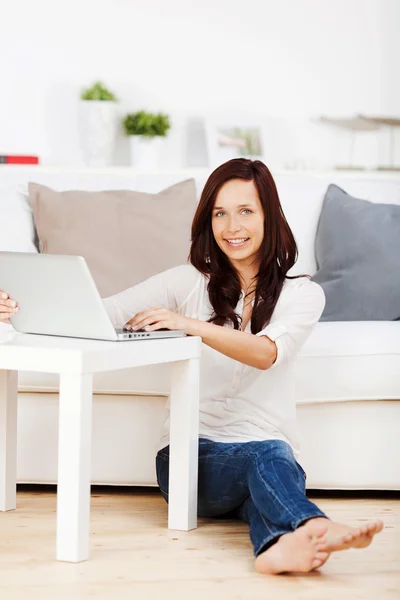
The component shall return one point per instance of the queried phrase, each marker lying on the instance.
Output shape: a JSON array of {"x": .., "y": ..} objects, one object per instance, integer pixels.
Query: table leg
[
  {"x": 184, "y": 435},
  {"x": 74, "y": 460},
  {"x": 8, "y": 439}
]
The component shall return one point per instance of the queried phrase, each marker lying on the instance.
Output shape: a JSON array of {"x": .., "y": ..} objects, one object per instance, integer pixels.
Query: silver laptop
[{"x": 57, "y": 296}]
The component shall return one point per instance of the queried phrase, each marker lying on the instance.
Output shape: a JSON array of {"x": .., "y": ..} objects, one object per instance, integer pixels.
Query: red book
[{"x": 10, "y": 159}]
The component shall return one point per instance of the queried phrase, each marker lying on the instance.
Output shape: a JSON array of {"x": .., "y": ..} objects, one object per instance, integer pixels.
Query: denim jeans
[{"x": 257, "y": 482}]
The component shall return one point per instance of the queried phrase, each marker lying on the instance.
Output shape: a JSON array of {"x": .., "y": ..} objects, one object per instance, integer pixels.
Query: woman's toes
[
  {"x": 315, "y": 536},
  {"x": 373, "y": 528},
  {"x": 322, "y": 556},
  {"x": 379, "y": 526},
  {"x": 369, "y": 529},
  {"x": 317, "y": 562},
  {"x": 315, "y": 530}
]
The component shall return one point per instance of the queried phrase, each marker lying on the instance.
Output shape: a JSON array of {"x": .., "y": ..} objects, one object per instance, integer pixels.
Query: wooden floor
[{"x": 133, "y": 555}]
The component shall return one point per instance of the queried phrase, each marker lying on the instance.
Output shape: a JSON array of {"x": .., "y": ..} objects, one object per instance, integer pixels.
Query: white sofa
[{"x": 348, "y": 373}]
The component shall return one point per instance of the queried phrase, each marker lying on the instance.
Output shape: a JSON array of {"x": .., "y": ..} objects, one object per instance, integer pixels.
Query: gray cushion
[{"x": 357, "y": 250}]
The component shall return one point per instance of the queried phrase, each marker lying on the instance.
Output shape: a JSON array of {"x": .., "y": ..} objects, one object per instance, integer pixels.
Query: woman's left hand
[{"x": 158, "y": 318}]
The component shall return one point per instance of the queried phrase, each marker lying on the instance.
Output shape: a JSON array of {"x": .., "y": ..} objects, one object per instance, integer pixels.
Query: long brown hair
[{"x": 277, "y": 254}]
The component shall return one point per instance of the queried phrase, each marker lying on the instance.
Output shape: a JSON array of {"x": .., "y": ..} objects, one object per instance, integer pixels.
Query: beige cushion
[{"x": 125, "y": 236}]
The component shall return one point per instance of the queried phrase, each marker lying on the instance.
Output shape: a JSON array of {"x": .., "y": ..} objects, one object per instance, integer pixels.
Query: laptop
[{"x": 58, "y": 296}]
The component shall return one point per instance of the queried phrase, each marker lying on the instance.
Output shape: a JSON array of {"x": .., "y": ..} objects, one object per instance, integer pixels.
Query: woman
[{"x": 253, "y": 320}]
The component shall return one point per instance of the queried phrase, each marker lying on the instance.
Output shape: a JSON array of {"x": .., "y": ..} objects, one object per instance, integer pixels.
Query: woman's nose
[{"x": 233, "y": 225}]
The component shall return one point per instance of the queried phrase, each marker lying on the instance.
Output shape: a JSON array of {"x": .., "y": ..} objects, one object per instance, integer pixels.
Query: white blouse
[{"x": 238, "y": 403}]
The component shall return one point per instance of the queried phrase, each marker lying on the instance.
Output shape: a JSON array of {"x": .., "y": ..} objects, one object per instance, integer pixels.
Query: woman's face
[{"x": 238, "y": 222}]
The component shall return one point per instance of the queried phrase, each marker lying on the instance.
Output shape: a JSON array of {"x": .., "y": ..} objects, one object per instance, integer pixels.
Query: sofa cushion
[
  {"x": 357, "y": 251},
  {"x": 338, "y": 362},
  {"x": 125, "y": 236},
  {"x": 17, "y": 230},
  {"x": 354, "y": 360}
]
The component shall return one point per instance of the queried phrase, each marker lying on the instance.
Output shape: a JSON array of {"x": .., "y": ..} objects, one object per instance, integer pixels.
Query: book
[{"x": 16, "y": 159}]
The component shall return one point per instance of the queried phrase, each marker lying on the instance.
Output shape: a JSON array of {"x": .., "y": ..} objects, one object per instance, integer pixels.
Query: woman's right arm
[
  {"x": 167, "y": 289},
  {"x": 8, "y": 307}
]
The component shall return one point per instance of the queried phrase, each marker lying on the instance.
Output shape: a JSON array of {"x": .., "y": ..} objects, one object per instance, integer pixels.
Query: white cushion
[
  {"x": 152, "y": 379},
  {"x": 352, "y": 360},
  {"x": 340, "y": 361},
  {"x": 17, "y": 230}
]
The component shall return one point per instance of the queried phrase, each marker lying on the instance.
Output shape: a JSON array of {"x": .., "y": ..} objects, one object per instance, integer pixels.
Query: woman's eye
[{"x": 221, "y": 212}]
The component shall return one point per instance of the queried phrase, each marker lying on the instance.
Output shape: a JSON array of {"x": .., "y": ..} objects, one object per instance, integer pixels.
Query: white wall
[{"x": 287, "y": 61}]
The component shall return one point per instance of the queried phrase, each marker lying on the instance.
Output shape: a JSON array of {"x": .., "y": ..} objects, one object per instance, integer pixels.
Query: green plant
[
  {"x": 148, "y": 124},
  {"x": 98, "y": 91}
]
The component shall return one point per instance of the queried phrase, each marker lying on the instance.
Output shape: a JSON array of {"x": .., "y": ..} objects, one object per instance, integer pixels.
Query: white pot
[
  {"x": 145, "y": 151},
  {"x": 97, "y": 131}
]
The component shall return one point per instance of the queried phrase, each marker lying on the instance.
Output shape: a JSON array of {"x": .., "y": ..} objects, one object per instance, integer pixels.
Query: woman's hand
[
  {"x": 158, "y": 318},
  {"x": 8, "y": 307}
]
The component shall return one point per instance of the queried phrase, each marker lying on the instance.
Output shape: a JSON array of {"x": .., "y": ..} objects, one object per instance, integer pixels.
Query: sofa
[{"x": 347, "y": 373}]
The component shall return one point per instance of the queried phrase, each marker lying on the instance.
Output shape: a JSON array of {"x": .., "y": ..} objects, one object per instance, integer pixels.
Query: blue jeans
[{"x": 258, "y": 482}]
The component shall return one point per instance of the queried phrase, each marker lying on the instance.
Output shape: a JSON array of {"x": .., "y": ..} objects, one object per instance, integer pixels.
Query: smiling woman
[{"x": 253, "y": 320}]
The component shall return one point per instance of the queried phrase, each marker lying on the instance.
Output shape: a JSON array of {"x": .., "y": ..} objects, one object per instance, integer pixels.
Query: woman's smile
[{"x": 236, "y": 242}]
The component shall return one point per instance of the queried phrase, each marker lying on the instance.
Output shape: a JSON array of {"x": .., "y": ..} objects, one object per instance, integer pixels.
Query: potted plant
[
  {"x": 145, "y": 131},
  {"x": 97, "y": 124}
]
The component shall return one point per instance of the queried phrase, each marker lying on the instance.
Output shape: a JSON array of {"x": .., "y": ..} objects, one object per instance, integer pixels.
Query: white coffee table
[{"x": 76, "y": 360}]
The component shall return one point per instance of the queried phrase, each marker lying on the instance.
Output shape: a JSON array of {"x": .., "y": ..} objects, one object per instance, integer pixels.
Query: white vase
[
  {"x": 145, "y": 151},
  {"x": 97, "y": 131}
]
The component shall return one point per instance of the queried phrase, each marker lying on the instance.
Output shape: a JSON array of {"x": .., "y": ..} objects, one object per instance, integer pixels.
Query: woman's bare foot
[
  {"x": 299, "y": 551},
  {"x": 342, "y": 537}
]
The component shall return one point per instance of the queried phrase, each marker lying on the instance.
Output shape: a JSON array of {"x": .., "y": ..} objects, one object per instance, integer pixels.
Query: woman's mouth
[{"x": 236, "y": 242}]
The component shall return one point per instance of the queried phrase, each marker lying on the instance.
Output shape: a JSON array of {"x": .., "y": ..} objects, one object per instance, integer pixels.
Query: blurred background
[{"x": 284, "y": 63}]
